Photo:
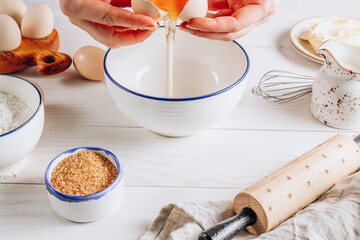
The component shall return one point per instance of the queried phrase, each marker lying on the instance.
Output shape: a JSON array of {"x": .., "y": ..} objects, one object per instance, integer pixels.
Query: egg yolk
[{"x": 174, "y": 7}]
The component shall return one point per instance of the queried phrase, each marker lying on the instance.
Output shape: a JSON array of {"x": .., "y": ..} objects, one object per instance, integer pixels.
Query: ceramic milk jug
[{"x": 336, "y": 91}]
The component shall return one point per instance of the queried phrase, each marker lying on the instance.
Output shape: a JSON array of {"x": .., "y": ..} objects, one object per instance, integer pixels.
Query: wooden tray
[{"x": 41, "y": 52}]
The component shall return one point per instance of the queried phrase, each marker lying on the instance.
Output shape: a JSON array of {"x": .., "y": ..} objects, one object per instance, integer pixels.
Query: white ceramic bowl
[
  {"x": 209, "y": 80},
  {"x": 18, "y": 143},
  {"x": 91, "y": 207}
]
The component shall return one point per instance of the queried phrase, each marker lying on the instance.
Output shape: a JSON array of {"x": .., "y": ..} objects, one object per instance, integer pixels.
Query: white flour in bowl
[{"x": 13, "y": 112}]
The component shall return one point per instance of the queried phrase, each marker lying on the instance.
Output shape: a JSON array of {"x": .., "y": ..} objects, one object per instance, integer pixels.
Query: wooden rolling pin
[{"x": 280, "y": 195}]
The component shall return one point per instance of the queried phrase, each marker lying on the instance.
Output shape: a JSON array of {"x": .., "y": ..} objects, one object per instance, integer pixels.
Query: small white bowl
[
  {"x": 209, "y": 80},
  {"x": 91, "y": 207},
  {"x": 16, "y": 144}
]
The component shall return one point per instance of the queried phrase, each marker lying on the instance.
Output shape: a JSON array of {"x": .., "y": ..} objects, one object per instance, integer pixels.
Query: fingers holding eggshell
[
  {"x": 221, "y": 13},
  {"x": 218, "y": 24},
  {"x": 210, "y": 35},
  {"x": 109, "y": 35},
  {"x": 241, "y": 22},
  {"x": 106, "y": 14},
  {"x": 194, "y": 9},
  {"x": 218, "y": 36},
  {"x": 253, "y": 14},
  {"x": 230, "y": 36}
]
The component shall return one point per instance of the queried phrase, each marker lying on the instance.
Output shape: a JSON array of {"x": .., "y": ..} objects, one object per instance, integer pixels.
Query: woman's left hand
[{"x": 234, "y": 19}]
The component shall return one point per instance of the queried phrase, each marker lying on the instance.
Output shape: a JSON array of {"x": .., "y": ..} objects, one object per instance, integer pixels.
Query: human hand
[
  {"x": 107, "y": 21},
  {"x": 234, "y": 19}
]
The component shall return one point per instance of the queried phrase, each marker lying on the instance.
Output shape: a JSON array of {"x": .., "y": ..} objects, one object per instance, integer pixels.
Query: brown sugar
[{"x": 82, "y": 174}]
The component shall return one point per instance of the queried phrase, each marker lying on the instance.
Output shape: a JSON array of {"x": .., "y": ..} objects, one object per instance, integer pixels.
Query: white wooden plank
[
  {"x": 25, "y": 212},
  {"x": 214, "y": 158},
  {"x": 253, "y": 112}
]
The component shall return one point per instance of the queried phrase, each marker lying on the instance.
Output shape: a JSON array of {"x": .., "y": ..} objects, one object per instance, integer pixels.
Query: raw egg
[
  {"x": 10, "y": 35},
  {"x": 174, "y": 9},
  {"x": 38, "y": 21},
  {"x": 182, "y": 9},
  {"x": 14, "y": 8},
  {"x": 88, "y": 62}
]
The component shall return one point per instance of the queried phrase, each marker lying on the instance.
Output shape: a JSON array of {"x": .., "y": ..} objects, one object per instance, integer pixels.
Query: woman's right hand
[{"x": 107, "y": 21}]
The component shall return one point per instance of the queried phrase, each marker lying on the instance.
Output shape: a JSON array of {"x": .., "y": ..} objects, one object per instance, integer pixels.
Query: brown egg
[{"x": 88, "y": 62}]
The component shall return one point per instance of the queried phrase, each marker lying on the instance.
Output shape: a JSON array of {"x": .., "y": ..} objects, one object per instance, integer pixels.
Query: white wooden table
[{"x": 255, "y": 140}]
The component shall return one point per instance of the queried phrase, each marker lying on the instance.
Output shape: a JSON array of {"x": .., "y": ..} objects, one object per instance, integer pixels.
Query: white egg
[
  {"x": 38, "y": 21},
  {"x": 192, "y": 9},
  {"x": 10, "y": 35},
  {"x": 88, "y": 62},
  {"x": 14, "y": 8}
]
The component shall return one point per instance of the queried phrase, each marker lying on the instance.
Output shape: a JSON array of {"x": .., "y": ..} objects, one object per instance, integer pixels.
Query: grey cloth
[{"x": 335, "y": 215}]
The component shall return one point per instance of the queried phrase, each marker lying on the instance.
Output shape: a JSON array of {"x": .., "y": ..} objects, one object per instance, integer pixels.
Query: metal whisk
[{"x": 283, "y": 86}]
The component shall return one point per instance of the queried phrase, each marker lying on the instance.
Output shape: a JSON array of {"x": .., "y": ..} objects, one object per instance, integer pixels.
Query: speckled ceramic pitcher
[{"x": 336, "y": 90}]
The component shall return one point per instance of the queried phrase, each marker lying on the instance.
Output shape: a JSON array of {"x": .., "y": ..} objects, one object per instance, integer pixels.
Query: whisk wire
[{"x": 273, "y": 88}]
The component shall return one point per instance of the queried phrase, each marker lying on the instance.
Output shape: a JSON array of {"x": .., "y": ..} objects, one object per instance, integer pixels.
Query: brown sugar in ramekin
[{"x": 82, "y": 174}]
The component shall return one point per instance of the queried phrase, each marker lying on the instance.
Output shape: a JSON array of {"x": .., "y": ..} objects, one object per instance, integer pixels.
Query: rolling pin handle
[
  {"x": 357, "y": 140},
  {"x": 229, "y": 228}
]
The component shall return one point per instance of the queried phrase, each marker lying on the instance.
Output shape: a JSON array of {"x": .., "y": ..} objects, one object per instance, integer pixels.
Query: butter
[{"x": 342, "y": 30}]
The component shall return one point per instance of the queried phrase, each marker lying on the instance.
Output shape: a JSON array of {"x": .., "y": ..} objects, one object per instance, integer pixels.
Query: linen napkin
[{"x": 335, "y": 215}]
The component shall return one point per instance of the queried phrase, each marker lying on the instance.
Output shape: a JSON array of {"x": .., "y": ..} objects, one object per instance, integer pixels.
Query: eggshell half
[
  {"x": 194, "y": 9},
  {"x": 88, "y": 62},
  {"x": 10, "y": 35},
  {"x": 38, "y": 21},
  {"x": 14, "y": 8},
  {"x": 149, "y": 9}
]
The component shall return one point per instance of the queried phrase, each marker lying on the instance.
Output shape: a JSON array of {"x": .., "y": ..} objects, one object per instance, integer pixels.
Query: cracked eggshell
[
  {"x": 14, "y": 8},
  {"x": 194, "y": 9},
  {"x": 10, "y": 35},
  {"x": 38, "y": 21},
  {"x": 148, "y": 8}
]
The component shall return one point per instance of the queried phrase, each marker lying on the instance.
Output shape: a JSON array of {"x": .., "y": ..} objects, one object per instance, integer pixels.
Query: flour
[
  {"x": 13, "y": 112},
  {"x": 10, "y": 172}
]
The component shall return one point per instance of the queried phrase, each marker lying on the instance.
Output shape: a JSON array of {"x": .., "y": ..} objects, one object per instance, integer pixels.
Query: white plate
[{"x": 302, "y": 46}]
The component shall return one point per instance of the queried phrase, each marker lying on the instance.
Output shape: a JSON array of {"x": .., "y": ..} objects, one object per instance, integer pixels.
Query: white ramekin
[{"x": 91, "y": 207}]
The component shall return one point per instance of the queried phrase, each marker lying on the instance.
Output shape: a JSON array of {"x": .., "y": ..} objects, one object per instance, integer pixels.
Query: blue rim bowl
[
  {"x": 116, "y": 83},
  {"x": 35, "y": 113},
  {"x": 95, "y": 196}
]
